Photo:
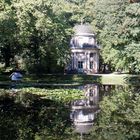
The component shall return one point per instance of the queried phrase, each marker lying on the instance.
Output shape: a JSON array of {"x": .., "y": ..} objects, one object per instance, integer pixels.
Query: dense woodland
[{"x": 35, "y": 34}]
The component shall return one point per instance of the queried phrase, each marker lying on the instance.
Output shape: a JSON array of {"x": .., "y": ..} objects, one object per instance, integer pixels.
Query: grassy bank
[
  {"x": 113, "y": 79},
  {"x": 120, "y": 79}
]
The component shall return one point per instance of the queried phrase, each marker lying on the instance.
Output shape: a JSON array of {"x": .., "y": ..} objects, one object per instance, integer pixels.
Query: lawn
[{"x": 76, "y": 79}]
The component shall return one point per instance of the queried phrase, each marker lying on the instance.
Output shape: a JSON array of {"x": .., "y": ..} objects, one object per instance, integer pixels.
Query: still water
[{"x": 29, "y": 117}]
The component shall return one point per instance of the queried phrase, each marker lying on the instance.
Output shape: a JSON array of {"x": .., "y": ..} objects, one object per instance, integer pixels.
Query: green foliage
[
  {"x": 35, "y": 32},
  {"x": 62, "y": 95},
  {"x": 8, "y": 33},
  {"x": 44, "y": 34},
  {"x": 117, "y": 25},
  {"x": 132, "y": 32},
  {"x": 36, "y": 114},
  {"x": 38, "y": 32},
  {"x": 119, "y": 117}
]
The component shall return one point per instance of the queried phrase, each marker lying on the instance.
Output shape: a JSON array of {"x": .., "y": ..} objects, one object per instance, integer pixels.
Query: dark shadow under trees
[{"x": 26, "y": 116}]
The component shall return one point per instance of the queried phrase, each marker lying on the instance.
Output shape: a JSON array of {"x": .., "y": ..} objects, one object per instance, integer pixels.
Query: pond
[{"x": 102, "y": 112}]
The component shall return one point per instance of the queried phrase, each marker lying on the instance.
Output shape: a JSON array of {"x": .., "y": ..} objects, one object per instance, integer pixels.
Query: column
[
  {"x": 75, "y": 61},
  {"x": 88, "y": 59}
]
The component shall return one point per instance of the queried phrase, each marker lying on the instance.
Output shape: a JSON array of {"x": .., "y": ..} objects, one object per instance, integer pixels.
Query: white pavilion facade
[{"x": 84, "y": 51}]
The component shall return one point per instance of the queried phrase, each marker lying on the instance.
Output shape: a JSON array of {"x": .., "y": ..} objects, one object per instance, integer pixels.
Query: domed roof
[{"x": 83, "y": 29}]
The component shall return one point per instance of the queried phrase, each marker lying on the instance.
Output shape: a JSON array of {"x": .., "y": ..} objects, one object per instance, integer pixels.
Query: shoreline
[{"x": 77, "y": 79}]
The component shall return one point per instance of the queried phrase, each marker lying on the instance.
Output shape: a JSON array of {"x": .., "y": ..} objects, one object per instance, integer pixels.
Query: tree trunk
[{"x": 7, "y": 56}]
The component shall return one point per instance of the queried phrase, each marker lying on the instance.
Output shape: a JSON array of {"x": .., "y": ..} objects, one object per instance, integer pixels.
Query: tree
[
  {"x": 39, "y": 31},
  {"x": 43, "y": 34},
  {"x": 132, "y": 34},
  {"x": 8, "y": 33},
  {"x": 112, "y": 28}
]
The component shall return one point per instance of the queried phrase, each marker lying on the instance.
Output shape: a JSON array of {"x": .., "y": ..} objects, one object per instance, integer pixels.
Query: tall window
[
  {"x": 80, "y": 64},
  {"x": 91, "y": 64}
]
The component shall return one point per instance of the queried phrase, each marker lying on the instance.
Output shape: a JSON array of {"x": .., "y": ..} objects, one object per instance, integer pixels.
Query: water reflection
[
  {"x": 84, "y": 111},
  {"x": 29, "y": 116}
]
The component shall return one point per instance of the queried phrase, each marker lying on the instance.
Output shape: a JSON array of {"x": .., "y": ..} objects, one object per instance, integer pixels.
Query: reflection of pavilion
[{"x": 84, "y": 111}]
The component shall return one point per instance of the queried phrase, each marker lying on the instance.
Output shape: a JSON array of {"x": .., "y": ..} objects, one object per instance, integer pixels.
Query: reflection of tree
[
  {"x": 119, "y": 117},
  {"x": 26, "y": 116}
]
